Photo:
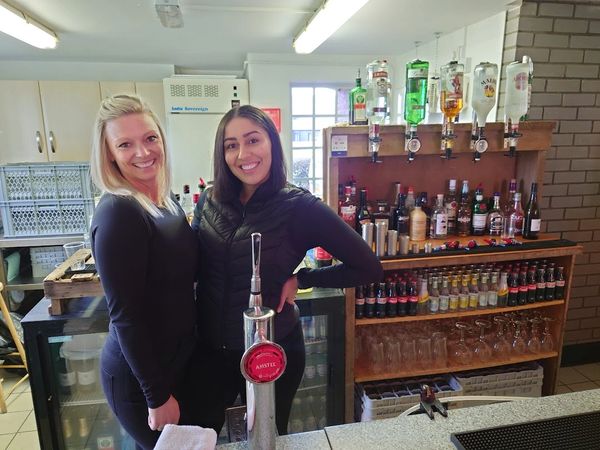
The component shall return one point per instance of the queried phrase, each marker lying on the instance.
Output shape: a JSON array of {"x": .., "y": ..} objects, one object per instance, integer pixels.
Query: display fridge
[{"x": 71, "y": 412}]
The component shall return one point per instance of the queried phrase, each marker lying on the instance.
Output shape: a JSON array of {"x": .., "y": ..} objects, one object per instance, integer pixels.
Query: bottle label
[
  {"x": 536, "y": 224},
  {"x": 322, "y": 254},
  {"x": 105, "y": 443},
  {"x": 451, "y": 210},
  {"x": 541, "y": 285},
  {"x": 550, "y": 284},
  {"x": 513, "y": 290},
  {"x": 532, "y": 287},
  {"x": 371, "y": 300},
  {"x": 420, "y": 72},
  {"x": 360, "y": 108},
  {"x": 413, "y": 299},
  {"x": 473, "y": 300},
  {"x": 424, "y": 299},
  {"x": 463, "y": 301},
  {"x": 483, "y": 299},
  {"x": 444, "y": 302},
  {"x": 434, "y": 304},
  {"x": 359, "y": 301},
  {"x": 496, "y": 223},
  {"x": 492, "y": 298},
  {"x": 348, "y": 214},
  {"x": 523, "y": 288},
  {"x": 67, "y": 379},
  {"x": 560, "y": 283},
  {"x": 441, "y": 225},
  {"x": 502, "y": 292},
  {"x": 393, "y": 300},
  {"x": 453, "y": 302},
  {"x": 86, "y": 378},
  {"x": 417, "y": 229},
  {"x": 382, "y": 300},
  {"x": 402, "y": 299},
  {"x": 479, "y": 221}
]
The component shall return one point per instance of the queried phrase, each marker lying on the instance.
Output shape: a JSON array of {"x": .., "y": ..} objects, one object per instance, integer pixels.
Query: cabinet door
[
  {"x": 152, "y": 93},
  {"x": 69, "y": 108},
  {"x": 108, "y": 88},
  {"x": 21, "y": 123}
]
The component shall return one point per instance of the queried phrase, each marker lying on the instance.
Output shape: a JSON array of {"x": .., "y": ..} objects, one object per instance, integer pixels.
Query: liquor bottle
[
  {"x": 424, "y": 204},
  {"x": 439, "y": 219},
  {"x": 559, "y": 292},
  {"x": 358, "y": 103},
  {"x": 474, "y": 292},
  {"x": 513, "y": 289},
  {"x": 451, "y": 207},
  {"x": 463, "y": 296},
  {"x": 423, "y": 302},
  {"x": 201, "y": 186},
  {"x": 496, "y": 218},
  {"x": 186, "y": 203},
  {"x": 480, "y": 215},
  {"x": 523, "y": 288},
  {"x": 531, "y": 285},
  {"x": 359, "y": 302},
  {"x": 381, "y": 308},
  {"x": 516, "y": 215},
  {"x": 378, "y": 92},
  {"x": 540, "y": 294},
  {"x": 413, "y": 298},
  {"x": 492, "y": 298},
  {"x": 465, "y": 193},
  {"x": 444, "y": 295},
  {"x": 402, "y": 298},
  {"x": 348, "y": 208},
  {"x": 454, "y": 297},
  {"x": 532, "y": 219},
  {"x": 512, "y": 188},
  {"x": 483, "y": 100},
  {"x": 550, "y": 283},
  {"x": 451, "y": 101},
  {"x": 392, "y": 302},
  {"x": 418, "y": 224},
  {"x": 415, "y": 101},
  {"x": 410, "y": 199},
  {"x": 401, "y": 216},
  {"x": 363, "y": 215},
  {"x": 483, "y": 291},
  {"x": 371, "y": 300},
  {"x": 434, "y": 297},
  {"x": 503, "y": 290},
  {"x": 516, "y": 100}
]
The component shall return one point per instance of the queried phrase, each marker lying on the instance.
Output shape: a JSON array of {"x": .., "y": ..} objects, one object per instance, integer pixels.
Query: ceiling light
[
  {"x": 18, "y": 25},
  {"x": 329, "y": 17},
  {"x": 169, "y": 13}
]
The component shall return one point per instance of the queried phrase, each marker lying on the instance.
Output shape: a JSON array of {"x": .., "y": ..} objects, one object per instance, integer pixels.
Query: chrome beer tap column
[{"x": 263, "y": 362}]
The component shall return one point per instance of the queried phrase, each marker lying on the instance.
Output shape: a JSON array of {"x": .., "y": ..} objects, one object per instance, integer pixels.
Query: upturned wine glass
[
  {"x": 519, "y": 345},
  {"x": 534, "y": 345},
  {"x": 502, "y": 346},
  {"x": 463, "y": 355},
  {"x": 547, "y": 342},
  {"x": 482, "y": 350}
]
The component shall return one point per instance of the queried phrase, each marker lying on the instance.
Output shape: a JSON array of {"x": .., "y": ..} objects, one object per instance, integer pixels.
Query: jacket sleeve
[
  {"x": 316, "y": 225},
  {"x": 120, "y": 238}
]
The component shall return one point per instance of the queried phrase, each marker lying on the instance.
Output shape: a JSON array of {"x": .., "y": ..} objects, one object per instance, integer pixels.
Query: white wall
[{"x": 83, "y": 71}]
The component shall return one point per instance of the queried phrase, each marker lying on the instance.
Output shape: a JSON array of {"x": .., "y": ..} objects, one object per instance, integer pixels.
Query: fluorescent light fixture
[
  {"x": 169, "y": 13},
  {"x": 18, "y": 25},
  {"x": 329, "y": 17}
]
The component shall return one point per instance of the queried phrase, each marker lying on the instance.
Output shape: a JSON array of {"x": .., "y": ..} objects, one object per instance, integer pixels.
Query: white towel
[{"x": 186, "y": 437}]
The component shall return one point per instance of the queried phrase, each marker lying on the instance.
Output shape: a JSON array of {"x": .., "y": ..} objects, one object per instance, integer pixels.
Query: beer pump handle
[{"x": 255, "y": 282}]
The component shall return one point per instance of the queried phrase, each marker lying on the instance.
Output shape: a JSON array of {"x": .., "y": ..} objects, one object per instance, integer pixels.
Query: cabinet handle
[
  {"x": 51, "y": 138},
  {"x": 38, "y": 141}
]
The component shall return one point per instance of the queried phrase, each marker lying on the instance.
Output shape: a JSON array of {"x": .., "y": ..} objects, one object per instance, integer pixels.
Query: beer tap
[
  {"x": 451, "y": 103},
  {"x": 374, "y": 140},
  {"x": 518, "y": 92},
  {"x": 415, "y": 100},
  {"x": 378, "y": 101},
  {"x": 262, "y": 363},
  {"x": 483, "y": 100}
]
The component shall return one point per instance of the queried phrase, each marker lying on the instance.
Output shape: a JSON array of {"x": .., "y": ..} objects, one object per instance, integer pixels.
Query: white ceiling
[{"x": 218, "y": 34}]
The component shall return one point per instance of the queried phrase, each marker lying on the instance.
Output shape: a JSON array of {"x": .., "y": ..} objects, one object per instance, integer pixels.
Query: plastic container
[
  {"x": 82, "y": 356},
  {"x": 45, "y": 259}
]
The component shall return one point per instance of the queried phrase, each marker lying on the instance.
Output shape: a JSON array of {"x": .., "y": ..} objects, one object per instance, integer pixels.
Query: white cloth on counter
[{"x": 186, "y": 437}]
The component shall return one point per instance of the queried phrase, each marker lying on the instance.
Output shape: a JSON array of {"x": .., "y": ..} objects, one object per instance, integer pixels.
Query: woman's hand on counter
[
  {"x": 167, "y": 413},
  {"x": 288, "y": 292}
]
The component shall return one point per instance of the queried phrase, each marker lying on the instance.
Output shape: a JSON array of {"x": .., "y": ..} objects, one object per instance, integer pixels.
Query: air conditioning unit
[{"x": 199, "y": 95}]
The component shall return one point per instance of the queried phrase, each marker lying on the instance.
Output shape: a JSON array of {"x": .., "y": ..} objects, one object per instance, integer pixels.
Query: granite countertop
[
  {"x": 313, "y": 440},
  {"x": 419, "y": 432}
]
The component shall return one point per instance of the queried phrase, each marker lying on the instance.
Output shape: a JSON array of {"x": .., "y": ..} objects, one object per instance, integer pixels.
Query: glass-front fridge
[{"x": 71, "y": 411}]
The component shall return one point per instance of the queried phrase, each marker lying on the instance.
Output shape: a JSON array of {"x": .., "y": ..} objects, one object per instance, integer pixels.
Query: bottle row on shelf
[
  {"x": 460, "y": 288},
  {"x": 414, "y": 217},
  {"x": 446, "y": 344}
]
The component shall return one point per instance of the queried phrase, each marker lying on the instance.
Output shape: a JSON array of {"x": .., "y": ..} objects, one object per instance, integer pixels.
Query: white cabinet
[
  {"x": 22, "y": 134},
  {"x": 152, "y": 93}
]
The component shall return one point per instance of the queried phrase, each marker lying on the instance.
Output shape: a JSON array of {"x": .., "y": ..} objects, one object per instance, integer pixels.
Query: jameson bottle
[
  {"x": 451, "y": 207},
  {"x": 359, "y": 302},
  {"x": 363, "y": 215},
  {"x": 531, "y": 218},
  {"x": 358, "y": 104},
  {"x": 559, "y": 290},
  {"x": 415, "y": 98}
]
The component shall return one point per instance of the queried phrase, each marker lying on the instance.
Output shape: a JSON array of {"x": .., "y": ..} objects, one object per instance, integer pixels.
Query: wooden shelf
[
  {"x": 362, "y": 377},
  {"x": 25, "y": 283},
  {"x": 455, "y": 314}
]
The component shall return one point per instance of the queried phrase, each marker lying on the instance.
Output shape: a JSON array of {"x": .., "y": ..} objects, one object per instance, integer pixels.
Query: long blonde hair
[{"x": 106, "y": 174}]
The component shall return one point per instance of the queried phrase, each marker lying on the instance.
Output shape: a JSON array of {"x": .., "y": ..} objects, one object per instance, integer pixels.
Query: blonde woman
[{"x": 146, "y": 256}]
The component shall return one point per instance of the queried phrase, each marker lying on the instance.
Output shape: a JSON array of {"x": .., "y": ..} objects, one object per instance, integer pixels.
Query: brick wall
[{"x": 563, "y": 39}]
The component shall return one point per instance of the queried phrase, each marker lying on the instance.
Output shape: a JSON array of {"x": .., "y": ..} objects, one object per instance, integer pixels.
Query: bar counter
[{"x": 419, "y": 432}]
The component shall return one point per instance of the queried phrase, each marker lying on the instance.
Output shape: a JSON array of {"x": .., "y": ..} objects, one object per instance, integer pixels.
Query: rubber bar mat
[{"x": 579, "y": 431}]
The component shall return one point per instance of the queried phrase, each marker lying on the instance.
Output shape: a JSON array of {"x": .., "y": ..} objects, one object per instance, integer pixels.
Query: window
[{"x": 314, "y": 108}]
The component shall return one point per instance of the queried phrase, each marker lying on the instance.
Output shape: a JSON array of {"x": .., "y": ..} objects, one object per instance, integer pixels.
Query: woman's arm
[{"x": 316, "y": 225}]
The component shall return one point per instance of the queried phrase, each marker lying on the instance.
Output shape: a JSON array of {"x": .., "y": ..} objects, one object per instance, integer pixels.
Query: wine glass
[
  {"x": 519, "y": 344},
  {"x": 547, "y": 342},
  {"x": 482, "y": 350},
  {"x": 463, "y": 355},
  {"x": 534, "y": 345},
  {"x": 502, "y": 346}
]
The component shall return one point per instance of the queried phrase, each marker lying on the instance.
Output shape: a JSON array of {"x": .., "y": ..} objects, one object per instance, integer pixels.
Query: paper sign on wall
[
  {"x": 339, "y": 145},
  {"x": 275, "y": 115}
]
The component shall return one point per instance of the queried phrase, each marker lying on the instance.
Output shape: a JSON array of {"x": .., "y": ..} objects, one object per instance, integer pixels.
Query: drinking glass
[
  {"x": 547, "y": 342},
  {"x": 502, "y": 346},
  {"x": 70, "y": 249},
  {"x": 534, "y": 345},
  {"x": 378, "y": 360},
  {"x": 463, "y": 355},
  {"x": 392, "y": 354},
  {"x": 409, "y": 352},
  {"x": 519, "y": 344},
  {"x": 439, "y": 349},
  {"x": 482, "y": 350},
  {"x": 424, "y": 353}
]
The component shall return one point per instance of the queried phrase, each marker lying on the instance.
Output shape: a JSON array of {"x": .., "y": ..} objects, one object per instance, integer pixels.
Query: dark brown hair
[{"x": 226, "y": 185}]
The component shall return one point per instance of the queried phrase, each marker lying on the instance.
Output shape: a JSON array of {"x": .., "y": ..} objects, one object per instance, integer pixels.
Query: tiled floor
[{"x": 18, "y": 429}]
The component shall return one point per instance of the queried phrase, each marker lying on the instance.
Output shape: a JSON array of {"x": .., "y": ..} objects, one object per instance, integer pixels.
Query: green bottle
[
  {"x": 415, "y": 97},
  {"x": 358, "y": 104}
]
